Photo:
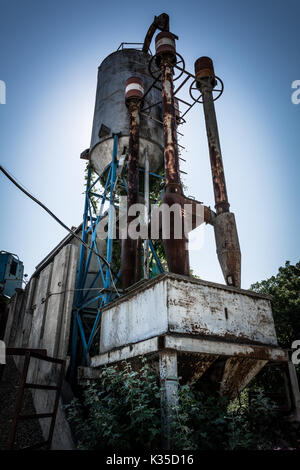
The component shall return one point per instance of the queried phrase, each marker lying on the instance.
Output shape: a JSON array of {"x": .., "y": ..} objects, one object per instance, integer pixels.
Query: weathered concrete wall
[
  {"x": 176, "y": 304},
  {"x": 40, "y": 317}
]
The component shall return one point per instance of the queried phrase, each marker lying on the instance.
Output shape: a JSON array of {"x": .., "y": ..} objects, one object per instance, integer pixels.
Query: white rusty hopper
[{"x": 222, "y": 336}]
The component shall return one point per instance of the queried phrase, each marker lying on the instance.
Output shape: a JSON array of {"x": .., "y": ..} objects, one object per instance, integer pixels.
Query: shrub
[{"x": 121, "y": 411}]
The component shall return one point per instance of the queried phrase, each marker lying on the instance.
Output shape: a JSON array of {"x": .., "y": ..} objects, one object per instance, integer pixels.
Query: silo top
[{"x": 111, "y": 114}]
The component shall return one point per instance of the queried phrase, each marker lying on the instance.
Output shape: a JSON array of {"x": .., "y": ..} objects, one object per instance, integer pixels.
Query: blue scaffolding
[{"x": 86, "y": 294}]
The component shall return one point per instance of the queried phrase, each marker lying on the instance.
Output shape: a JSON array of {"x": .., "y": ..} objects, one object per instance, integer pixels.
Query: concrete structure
[{"x": 40, "y": 317}]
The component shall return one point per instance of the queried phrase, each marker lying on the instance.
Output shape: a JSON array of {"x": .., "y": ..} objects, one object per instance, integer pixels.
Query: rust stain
[
  {"x": 237, "y": 373},
  {"x": 217, "y": 169},
  {"x": 176, "y": 249},
  {"x": 130, "y": 259}
]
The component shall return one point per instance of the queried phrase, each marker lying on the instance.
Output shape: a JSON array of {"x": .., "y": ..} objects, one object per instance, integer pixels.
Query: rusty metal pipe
[
  {"x": 226, "y": 236},
  {"x": 171, "y": 157},
  {"x": 160, "y": 22},
  {"x": 130, "y": 261},
  {"x": 205, "y": 76},
  {"x": 176, "y": 249}
]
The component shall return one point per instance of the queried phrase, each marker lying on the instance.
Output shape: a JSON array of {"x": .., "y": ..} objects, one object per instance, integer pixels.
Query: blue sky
[{"x": 49, "y": 56}]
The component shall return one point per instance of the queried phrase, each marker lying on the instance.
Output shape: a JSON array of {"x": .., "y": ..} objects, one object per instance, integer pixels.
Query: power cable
[{"x": 13, "y": 180}]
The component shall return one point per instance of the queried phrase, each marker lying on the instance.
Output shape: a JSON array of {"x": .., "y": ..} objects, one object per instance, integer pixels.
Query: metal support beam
[
  {"x": 86, "y": 294},
  {"x": 168, "y": 372}
]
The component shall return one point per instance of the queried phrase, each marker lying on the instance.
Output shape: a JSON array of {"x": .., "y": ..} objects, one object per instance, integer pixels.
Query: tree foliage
[{"x": 285, "y": 291}]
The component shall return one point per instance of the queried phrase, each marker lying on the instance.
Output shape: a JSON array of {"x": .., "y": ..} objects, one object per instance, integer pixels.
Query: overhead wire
[{"x": 37, "y": 201}]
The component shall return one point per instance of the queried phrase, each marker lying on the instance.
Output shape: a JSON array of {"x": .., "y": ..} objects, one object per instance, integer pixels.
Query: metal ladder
[{"x": 40, "y": 354}]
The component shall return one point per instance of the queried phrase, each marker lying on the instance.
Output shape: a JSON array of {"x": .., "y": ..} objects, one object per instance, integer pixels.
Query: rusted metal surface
[
  {"x": 228, "y": 248},
  {"x": 225, "y": 348},
  {"x": 208, "y": 214},
  {"x": 238, "y": 372},
  {"x": 165, "y": 43},
  {"x": 174, "y": 304},
  {"x": 191, "y": 367},
  {"x": 130, "y": 259},
  {"x": 204, "y": 68},
  {"x": 204, "y": 72},
  {"x": 146, "y": 269},
  {"x": 176, "y": 249},
  {"x": 194, "y": 213},
  {"x": 160, "y": 22},
  {"x": 133, "y": 89},
  {"x": 226, "y": 236},
  {"x": 141, "y": 348},
  {"x": 200, "y": 310},
  {"x": 170, "y": 135},
  {"x": 177, "y": 111}
]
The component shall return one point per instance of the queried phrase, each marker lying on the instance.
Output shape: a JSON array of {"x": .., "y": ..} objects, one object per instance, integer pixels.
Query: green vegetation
[
  {"x": 285, "y": 291},
  {"x": 284, "y": 288},
  {"x": 121, "y": 411}
]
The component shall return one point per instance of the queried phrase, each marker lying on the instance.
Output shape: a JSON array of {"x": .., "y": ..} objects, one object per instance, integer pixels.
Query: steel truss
[{"x": 86, "y": 317}]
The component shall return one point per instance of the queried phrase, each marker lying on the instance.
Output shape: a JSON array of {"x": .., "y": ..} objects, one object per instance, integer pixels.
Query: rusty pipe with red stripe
[
  {"x": 130, "y": 259},
  {"x": 176, "y": 249}
]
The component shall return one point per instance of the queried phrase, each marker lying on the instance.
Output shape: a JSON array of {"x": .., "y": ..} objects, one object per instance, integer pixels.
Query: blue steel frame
[{"x": 106, "y": 294}]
